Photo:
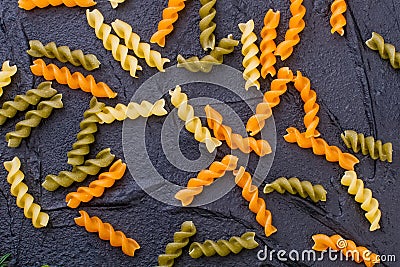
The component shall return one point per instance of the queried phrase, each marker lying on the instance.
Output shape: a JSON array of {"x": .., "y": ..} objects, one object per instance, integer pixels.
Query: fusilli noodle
[
  {"x": 338, "y": 21},
  {"x": 267, "y": 45},
  {"x": 207, "y": 25},
  {"x": 31, "y": 4},
  {"x": 115, "y": 3},
  {"x": 386, "y": 51},
  {"x": 6, "y": 73}
]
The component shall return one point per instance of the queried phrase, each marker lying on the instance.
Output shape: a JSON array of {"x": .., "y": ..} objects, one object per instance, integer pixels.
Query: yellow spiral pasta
[
  {"x": 338, "y": 21},
  {"x": 19, "y": 189},
  {"x": 386, "y": 51},
  {"x": 115, "y": 3},
  {"x": 6, "y": 73},
  {"x": 112, "y": 42},
  {"x": 207, "y": 25},
  {"x": 31, "y": 4}
]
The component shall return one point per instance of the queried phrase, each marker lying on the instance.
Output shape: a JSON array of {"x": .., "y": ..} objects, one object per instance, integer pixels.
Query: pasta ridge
[
  {"x": 207, "y": 25},
  {"x": 337, "y": 20},
  {"x": 31, "y": 4},
  {"x": 267, "y": 45},
  {"x": 6, "y": 73},
  {"x": 386, "y": 51},
  {"x": 115, "y": 3}
]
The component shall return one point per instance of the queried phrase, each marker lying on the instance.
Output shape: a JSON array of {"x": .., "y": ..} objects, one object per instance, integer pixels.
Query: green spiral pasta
[
  {"x": 32, "y": 120},
  {"x": 223, "y": 247},
  {"x": 85, "y": 136},
  {"x": 79, "y": 173},
  {"x": 367, "y": 145},
  {"x": 294, "y": 186},
  {"x": 63, "y": 54},
  {"x": 207, "y": 25},
  {"x": 386, "y": 51},
  {"x": 181, "y": 239},
  {"x": 22, "y": 102}
]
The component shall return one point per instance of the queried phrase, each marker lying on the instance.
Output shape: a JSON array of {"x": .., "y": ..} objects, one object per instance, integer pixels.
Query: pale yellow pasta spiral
[
  {"x": 6, "y": 73},
  {"x": 115, "y": 3}
]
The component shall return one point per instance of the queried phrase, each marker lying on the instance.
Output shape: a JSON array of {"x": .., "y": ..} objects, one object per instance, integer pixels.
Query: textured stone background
[{"x": 356, "y": 90}]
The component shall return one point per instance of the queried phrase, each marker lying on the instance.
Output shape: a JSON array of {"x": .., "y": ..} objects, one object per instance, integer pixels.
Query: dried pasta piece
[
  {"x": 338, "y": 21},
  {"x": 19, "y": 190},
  {"x": 6, "y": 73},
  {"x": 79, "y": 173},
  {"x": 32, "y": 120},
  {"x": 296, "y": 25},
  {"x": 63, "y": 54},
  {"x": 250, "y": 51},
  {"x": 173, "y": 250},
  {"x": 207, "y": 25},
  {"x": 112, "y": 43},
  {"x": 97, "y": 187},
  {"x": 321, "y": 147},
  {"x": 386, "y": 51},
  {"x": 205, "y": 178},
  {"x": 347, "y": 247},
  {"x": 115, "y": 3},
  {"x": 267, "y": 45},
  {"x": 294, "y": 186},
  {"x": 234, "y": 140},
  {"x": 363, "y": 196},
  {"x": 222, "y": 247},
  {"x": 141, "y": 50},
  {"x": 106, "y": 232},
  {"x": 192, "y": 122},
  {"x": 367, "y": 145},
  {"x": 256, "y": 204},
  {"x": 31, "y": 4},
  {"x": 74, "y": 81}
]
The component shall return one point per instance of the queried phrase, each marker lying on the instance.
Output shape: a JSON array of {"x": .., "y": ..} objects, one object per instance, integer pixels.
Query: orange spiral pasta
[
  {"x": 267, "y": 45},
  {"x": 107, "y": 232},
  {"x": 169, "y": 17},
  {"x": 234, "y": 140},
  {"x": 338, "y": 21},
  {"x": 31, "y": 4},
  {"x": 271, "y": 99},
  {"x": 257, "y": 205},
  {"x": 206, "y": 177},
  {"x": 96, "y": 188},
  {"x": 296, "y": 25},
  {"x": 74, "y": 81},
  {"x": 321, "y": 147}
]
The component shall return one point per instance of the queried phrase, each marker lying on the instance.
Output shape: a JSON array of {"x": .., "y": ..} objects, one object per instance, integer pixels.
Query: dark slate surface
[{"x": 356, "y": 89}]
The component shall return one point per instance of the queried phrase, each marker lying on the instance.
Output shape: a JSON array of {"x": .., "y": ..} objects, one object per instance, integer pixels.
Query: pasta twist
[
  {"x": 192, "y": 122},
  {"x": 250, "y": 51},
  {"x": 294, "y": 186},
  {"x": 271, "y": 99},
  {"x": 142, "y": 50},
  {"x": 96, "y": 188},
  {"x": 106, "y": 232},
  {"x": 338, "y": 21},
  {"x": 347, "y": 247},
  {"x": 6, "y": 73},
  {"x": 31, "y": 4},
  {"x": 74, "y": 81},
  {"x": 205, "y": 178},
  {"x": 267, "y": 45},
  {"x": 32, "y": 119},
  {"x": 63, "y": 54},
  {"x": 85, "y": 136},
  {"x": 296, "y": 25},
  {"x": 386, "y": 51},
  {"x": 207, "y": 25},
  {"x": 19, "y": 190},
  {"x": 115, "y": 3},
  {"x": 222, "y": 247},
  {"x": 173, "y": 250},
  {"x": 169, "y": 17},
  {"x": 367, "y": 145},
  {"x": 112, "y": 43},
  {"x": 363, "y": 196},
  {"x": 79, "y": 173},
  {"x": 234, "y": 140},
  {"x": 256, "y": 204}
]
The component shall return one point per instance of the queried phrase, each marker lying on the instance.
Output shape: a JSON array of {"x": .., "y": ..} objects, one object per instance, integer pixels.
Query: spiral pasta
[
  {"x": 6, "y": 73},
  {"x": 19, "y": 190},
  {"x": 222, "y": 247},
  {"x": 115, "y": 3},
  {"x": 250, "y": 51},
  {"x": 192, "y": 122},
  {"x": 111, "y": 42},
  {"x": 173, "y": 250},
  {"x": 363, "y": 196},
  {"x": 338, "y": 21},
  {"x": 205, "y": 178},
  {"x": 296, "y": 25},
  {"x": 74, "y": 81},
  {"x": 31, "y": 4},
  {"x": 321, "y": 147},
  {"x": 256, "y": 204},
  {"x": 32, "y": 120},
  {"x": 169, "y": 17},
  {"x": 294, "y": 186},
  {"x": 271, "y": 99},
  {"x": 234, "y": 140},
  {"x": 386, "y": 51},
  {"x": 207, "y": 25},
  {"x": 106, "y": 232},
  {"x": 367, "y": 145},
  {"x": 63, "y": 54},
  {"x": 141, "y": 50},
  {"x": 79, "y": 173},
  {"x": 267, "y": 45}
]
